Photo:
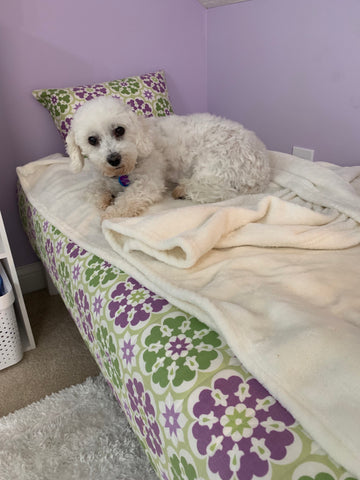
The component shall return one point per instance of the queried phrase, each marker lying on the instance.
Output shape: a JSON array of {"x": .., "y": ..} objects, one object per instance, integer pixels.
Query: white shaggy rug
[{"x": 79, "y": 433}]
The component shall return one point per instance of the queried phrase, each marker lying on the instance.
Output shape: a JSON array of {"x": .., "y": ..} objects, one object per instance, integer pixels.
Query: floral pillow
[{"x": 146, "y": 94}]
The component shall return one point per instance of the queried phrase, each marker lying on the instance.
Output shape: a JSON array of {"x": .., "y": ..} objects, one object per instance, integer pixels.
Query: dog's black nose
[{"x": 114, "y": 159}]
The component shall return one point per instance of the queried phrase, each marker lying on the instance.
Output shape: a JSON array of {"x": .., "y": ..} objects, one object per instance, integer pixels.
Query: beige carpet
[
  {"x": 90, "y": 440},
  {"x": 60, "y": 359}
]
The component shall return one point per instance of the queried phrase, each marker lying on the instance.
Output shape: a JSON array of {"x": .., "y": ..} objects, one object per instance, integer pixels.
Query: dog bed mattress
[{"x": 197, "y": 411}]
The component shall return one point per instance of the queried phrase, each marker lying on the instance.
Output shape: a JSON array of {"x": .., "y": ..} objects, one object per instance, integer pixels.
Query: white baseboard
[{"x": 31, "y": 277}]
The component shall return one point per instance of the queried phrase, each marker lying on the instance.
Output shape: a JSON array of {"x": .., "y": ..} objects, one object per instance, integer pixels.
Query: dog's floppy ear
[
  {"x": 74, "y": 152},
  {"x": 144, "y": 141}
]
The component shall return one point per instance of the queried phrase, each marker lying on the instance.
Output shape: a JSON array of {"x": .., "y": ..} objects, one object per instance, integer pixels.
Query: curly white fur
[{"x": 202, "y": 157}]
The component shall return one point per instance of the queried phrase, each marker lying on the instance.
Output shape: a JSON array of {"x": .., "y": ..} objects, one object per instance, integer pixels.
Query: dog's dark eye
[
  {"x": 119, "y": 132},
  {"x": 93, "y": 141}
]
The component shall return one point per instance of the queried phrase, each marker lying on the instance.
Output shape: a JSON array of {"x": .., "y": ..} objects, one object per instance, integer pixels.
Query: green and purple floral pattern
[
  {"x": 146, "y": 94},
  {"x": 196, "y": 410},
  {"x": 176, "y": 351},
  {"x": 240, "y": 427}
]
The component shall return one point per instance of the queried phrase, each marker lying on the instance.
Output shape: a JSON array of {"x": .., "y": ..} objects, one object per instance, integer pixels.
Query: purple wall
[
  {"x": 289, "y": 70},
  {"x": 46, "y": 43}
]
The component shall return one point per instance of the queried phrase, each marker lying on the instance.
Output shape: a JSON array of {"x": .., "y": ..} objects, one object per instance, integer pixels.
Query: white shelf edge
[
  {"x": 20, "y": 308},
  {"x": 2, "y": 249}
]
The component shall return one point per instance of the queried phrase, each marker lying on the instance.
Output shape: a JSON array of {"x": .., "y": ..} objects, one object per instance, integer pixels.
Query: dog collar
[{"x": 124, "y": 180}]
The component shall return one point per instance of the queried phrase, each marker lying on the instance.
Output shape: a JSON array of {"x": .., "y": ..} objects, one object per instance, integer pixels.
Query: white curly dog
[{"x": 201, "y": 157}]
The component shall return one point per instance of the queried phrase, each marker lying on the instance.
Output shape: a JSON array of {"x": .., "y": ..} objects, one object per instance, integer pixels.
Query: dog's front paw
[
  {"x": 104, "y": 201},
  {"x": 179, "y": 192},
  {"x": 114, "y": 211},
  {"x": 111, "y": 212}
]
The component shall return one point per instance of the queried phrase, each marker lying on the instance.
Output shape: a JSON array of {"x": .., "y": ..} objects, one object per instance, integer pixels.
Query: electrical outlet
[{"x": 304, "y": 153}]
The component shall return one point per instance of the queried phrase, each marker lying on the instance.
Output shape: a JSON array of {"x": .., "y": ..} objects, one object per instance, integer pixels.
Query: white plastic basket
[{"x": 10, "y": 341}]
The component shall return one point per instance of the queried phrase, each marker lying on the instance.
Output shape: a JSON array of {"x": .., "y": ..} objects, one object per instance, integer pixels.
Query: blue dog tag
[{"x": 124, "y": 180}]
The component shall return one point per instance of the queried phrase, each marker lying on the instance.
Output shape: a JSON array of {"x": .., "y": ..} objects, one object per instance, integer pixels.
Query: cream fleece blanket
[{"x": 290, "y": 314}]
